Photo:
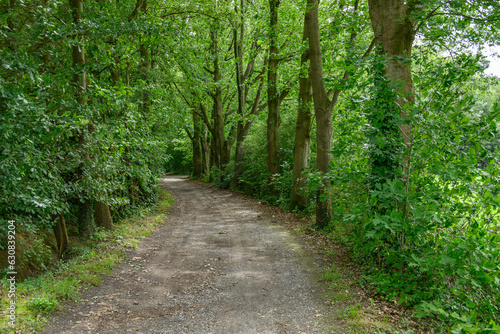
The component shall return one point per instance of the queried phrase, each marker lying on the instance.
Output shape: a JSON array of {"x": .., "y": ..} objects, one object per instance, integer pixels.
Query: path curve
[{"x": 217, "y": 265}]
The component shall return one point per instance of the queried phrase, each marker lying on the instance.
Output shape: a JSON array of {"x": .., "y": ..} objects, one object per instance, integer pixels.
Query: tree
[
  {"x": 323, "y": 108},
  {"x": 273, "y": 117},
  {"x": 79, "y": 82},
  {"x": 274, "y": 99},
  {"x": 243, "y": 89},
  {"x": 84, "y": 140},
  {"x": 394, "y": 33},
  {"x": 303, "y": 129}
]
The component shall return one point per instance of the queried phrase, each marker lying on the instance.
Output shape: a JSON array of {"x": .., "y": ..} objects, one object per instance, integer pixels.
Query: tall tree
[
  {"x": 243, "y": 88},
  {"x": 302, "y": 129},
  {"x": 238, "y": 56},
  {"x": 196, "y": 138},
  {"x": 325, "y": 101},
  {"x": 218, "y": 107},
  {"x": 394, "y": 32},
  {"x": 273, "y": 115},
  {"x": 323, "y": 108},
  {"x": 79, "y": 83}
]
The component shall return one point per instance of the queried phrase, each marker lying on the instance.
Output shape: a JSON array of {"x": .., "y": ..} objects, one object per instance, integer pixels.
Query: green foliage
[
  {"x": 254, "y": 179},
  {"x": 42, "y": 305},
  {"x": 180, "y": 151},
  {"x": 56, "y": 151},
  {"x": 442, "y": 255},
  {"x": 38, "y": 255}
]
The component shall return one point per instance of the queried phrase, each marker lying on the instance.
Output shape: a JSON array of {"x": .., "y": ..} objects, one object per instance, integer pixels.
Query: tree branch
[
  {"x": 370, "y": 48},
  {"x": 182, "y": 95},
  {"x": 188, "y": 133},
  {"x": 139, "y": 5},
  {"x": 208, "y": 70},
  {"x": 282, "y": 95},
  {"x": 426, "y": 18},
  {"x": 205, "y": 119}
]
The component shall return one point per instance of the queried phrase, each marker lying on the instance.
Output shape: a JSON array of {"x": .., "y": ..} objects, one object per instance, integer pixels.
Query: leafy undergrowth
[
  {"x": 360, "y": 311},
  {"x": 38, "y": 297}
]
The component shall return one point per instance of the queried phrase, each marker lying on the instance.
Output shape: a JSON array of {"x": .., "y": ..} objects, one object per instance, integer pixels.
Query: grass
[
  {"x": 359, "y": 318},
  {"x": 351, "y": 312},
  {"x": 38, "y": 297}
]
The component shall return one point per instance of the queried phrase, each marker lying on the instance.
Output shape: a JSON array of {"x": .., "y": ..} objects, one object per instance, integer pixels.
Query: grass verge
[
  {"x": 355, "y": 310},
  {"x": 37, "y": 298}
]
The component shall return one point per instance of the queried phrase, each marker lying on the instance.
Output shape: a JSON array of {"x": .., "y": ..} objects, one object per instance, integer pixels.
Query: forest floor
[{"x": 223, "y": 263}]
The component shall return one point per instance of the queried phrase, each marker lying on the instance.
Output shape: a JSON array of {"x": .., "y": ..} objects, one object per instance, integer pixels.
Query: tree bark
[
  {"x": 238, "y": 54},
  {"x": 228, "y": 146},
  {"x": 86, "y": 224},
  {"x": 78, "y": 53},
  {"x": 79, "y": 82},
  {"x": 103, "y": 216},
  {"x": 302, "y": 132},
  {"x": 144, "y": 69},
  {"x": 323, "y": 111},
  {"x": 61, "y": 234},
  {"x": 205, "y": 149},
  {"x": 218, "y": 112},
  {"x": 213, "y": 154},
  {"x": 394, "y": 32},
  {"x": 197, "y": 152},
  {"x": 273, "y": 116}
]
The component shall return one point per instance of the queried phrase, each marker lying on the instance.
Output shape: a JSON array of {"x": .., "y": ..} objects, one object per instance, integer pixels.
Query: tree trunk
[
  {"x": 213, "y": 153},
  {"x": 103, "y": 216},
  {"x": 218, "y": 115},
  {"x": 205, "y": 149},
  {"x": 323, "y": 111},
  {"x": 238, "y": 54},
  {"x": 86, "y": 223},
  {"x": 273, "y": 116},
  {"x": 197, "y": 152},
  {"x": 228, "y": 146},
  {"x": 219, "y": 138},
  {"x": 239, "y": 155},
  {"x": 144, "y": 70},
  {"x": 61, "y": 234},
  {"x": 85, "y": 207},
  {"x": 394, "y": 33},
  {"x": 78, "y": 53},
  {"x": 302, "y": 132}
]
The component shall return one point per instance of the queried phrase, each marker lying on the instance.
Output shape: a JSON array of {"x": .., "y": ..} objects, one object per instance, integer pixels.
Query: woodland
[{"x": 372, "y": 117}]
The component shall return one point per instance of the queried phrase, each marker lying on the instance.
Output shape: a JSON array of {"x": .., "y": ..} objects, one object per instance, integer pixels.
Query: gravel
[{"x": 217, "y": 265}]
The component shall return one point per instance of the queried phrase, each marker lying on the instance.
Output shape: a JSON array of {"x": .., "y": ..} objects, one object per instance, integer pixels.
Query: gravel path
[{"x": 217, "y": 265}]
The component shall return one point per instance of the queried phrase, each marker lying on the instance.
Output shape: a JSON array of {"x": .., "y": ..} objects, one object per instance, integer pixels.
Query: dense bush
[{"x": 64, "y": 146}]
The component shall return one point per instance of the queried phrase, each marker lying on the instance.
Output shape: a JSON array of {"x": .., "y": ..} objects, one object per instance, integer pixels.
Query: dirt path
[{"x": 217, "y": 265}]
